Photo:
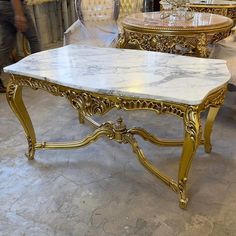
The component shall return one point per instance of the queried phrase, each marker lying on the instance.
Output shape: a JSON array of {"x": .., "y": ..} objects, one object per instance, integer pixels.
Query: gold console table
[
  {"x": 147, "y": 31},
  {"x": 97, "y": 80}
]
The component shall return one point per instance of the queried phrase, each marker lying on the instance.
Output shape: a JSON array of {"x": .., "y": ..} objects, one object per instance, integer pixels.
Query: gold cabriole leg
[
  {"x": 14, "y": 98},
  {"x": 208, "y": 128},
  {"x": 192, "y": 139}
]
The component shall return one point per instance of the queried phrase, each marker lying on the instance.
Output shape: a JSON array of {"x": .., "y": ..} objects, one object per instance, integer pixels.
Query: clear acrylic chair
[
  {"x": 99, "y": 21},
  {"x": 96, "y": 24},
  {"x": 226, "y": 49}
]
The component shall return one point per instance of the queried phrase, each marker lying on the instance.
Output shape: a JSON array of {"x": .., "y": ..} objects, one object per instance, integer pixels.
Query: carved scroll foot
[
  {"x": 208, "y": 128},
  {"x": 31, "y": 149},
  {"x": 14, "y": 98},
  {"x": 191, "y": 142},
  {"x": 183, "y": 200}
]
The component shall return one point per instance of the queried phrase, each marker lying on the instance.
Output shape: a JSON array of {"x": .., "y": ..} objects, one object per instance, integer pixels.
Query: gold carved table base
[
  {"x": 89, "y": 103},
  {"x": 184, "y": 43}
]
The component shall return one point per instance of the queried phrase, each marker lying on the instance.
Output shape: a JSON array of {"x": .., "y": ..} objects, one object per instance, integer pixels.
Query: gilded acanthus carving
[
  {"x": 190, "y": 119},
  {"x": 11, "y": 90},
  {"x": 89, "y": 104},
  {"x": 215, "y": 99}
]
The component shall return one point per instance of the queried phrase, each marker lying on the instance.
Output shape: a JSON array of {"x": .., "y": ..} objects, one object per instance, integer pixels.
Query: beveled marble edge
[
  {"x": 201, "y": 22},
  {"x": 152, "y": 84}
]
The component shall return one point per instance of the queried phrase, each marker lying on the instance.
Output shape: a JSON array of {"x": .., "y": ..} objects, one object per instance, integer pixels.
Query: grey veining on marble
[{"x": 123, "y": 72}]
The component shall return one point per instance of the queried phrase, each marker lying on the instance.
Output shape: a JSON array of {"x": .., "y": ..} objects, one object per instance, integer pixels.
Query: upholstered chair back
[
  {"x": 96, "y": 24},
  {"x": 129, "y": 6},
  {"x": 97, "y": 21},
  {"x": 89, "y": 11}
]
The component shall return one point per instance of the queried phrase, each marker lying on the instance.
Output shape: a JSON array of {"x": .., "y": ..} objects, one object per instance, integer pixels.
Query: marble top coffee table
[
  {"x": 148, "y": 31},
  {"x": 96, "y": 80}
]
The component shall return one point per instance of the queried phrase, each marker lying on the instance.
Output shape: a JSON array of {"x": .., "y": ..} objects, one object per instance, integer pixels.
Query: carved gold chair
[{"x": 96, "y": 24}]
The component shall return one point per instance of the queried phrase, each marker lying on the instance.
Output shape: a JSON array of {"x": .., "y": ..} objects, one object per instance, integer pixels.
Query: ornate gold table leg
[
  {"x": 208, "y": 128},
  {"x": 191, "y": 142},
  {"x": 14, "y": 97}
]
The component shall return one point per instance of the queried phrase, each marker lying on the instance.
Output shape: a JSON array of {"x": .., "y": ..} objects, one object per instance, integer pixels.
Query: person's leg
[
  {"x": 7, "y": 43},
  {"x": 2, "y": 87},
  {"x": 31, "y": 34},
  {"x": 7, "y": 36}
]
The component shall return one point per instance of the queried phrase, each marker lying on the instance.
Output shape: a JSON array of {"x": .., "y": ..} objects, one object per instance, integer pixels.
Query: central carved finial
[
  {"x": 119, "y": 130},
  {"x": 119, "y": 125}
]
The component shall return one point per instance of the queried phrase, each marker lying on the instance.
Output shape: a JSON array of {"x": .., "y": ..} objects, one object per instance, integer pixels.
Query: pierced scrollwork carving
[
  {"x": 156, "y": 42},
  {"x": 80, "y": 100},
  {"x": 157, "y": 106},
  {"x": 193, "y": 43},
  {"x": 37, "y": 84},
  {"x": 89, "y": 104},
  {"x": 219, "y": 36}
]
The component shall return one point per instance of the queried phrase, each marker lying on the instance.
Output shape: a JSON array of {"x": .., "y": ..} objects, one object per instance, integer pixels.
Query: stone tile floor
[{"x": 102, "y": 190}]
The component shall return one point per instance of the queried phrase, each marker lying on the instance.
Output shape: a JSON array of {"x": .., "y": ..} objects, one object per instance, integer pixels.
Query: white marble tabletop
[{"x": 124, "y": 72}]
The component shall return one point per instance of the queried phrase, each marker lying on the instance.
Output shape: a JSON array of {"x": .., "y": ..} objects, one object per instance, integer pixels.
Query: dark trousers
[{"x": 8, "y": 32}]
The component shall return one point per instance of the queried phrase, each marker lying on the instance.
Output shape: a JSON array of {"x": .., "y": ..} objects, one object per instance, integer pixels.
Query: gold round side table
[{"x": 147, "y": 31}]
